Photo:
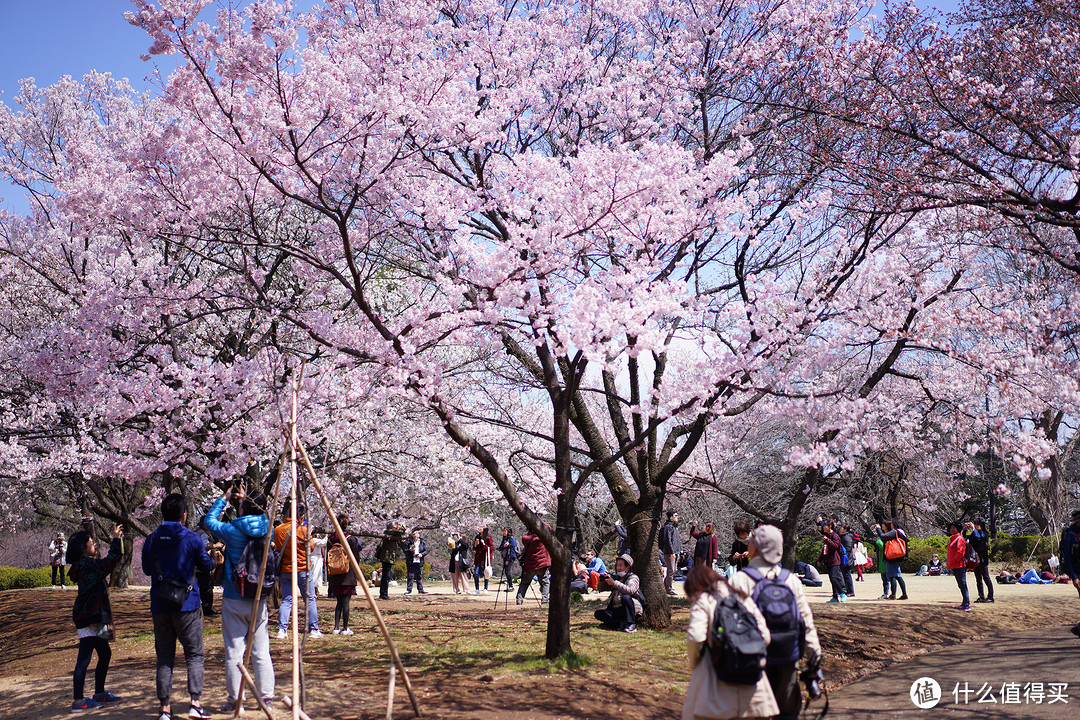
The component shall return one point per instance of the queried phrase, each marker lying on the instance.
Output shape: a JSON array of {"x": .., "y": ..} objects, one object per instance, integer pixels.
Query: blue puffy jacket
[
  {"x": 178, "y": 551},
  {"x": 236, "y": 536}
]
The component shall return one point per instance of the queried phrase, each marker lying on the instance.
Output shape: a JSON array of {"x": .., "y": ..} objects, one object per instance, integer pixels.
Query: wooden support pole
[
  {"x": 289, "y": 704},
  {"x": 355, "y": 564},
  {"x": 390, "y": 694},
  {"x": 292, "y": 554},
  {"x": 254, "y": 691}
]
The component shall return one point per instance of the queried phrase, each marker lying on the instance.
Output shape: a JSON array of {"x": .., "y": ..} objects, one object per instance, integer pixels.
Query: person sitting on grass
[
  {"x": 624, "y": 604},
  {"x": 935, "y": 567},
  {"x": 596, "y": 568},
  {"x": 579, "y": 581},
  {"x": 808, "y": 574}
]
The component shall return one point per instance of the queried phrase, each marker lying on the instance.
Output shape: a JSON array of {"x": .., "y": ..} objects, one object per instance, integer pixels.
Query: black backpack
[
  {"x": 246, "y": 572},
  {"x": 736, "y": 646},
  {"x": 701, "y": 548},
  {"x": 778, "y": 605}
]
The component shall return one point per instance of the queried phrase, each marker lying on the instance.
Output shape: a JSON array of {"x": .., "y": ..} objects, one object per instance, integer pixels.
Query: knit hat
[
  {"x": 1076, "y": 516},
  {"x": 769, "y": 542},
  {"x": 625, "y": 557}
]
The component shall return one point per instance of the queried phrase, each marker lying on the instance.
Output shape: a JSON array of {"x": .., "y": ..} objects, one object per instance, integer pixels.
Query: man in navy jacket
[{"x": 174, "y": 552}]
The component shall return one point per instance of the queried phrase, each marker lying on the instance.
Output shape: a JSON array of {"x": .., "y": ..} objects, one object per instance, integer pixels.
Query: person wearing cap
[
  {"x": 766, "y": 548},
  {"x": 624, "y": 604},
  {"x": 670, "y": 547},
  {"x": 1070, "y": 553}
]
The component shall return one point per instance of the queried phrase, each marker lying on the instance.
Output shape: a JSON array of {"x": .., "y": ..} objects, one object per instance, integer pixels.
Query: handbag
[
  {"x": 171, "y": 593},
  {"x": 487, "y": 566}
]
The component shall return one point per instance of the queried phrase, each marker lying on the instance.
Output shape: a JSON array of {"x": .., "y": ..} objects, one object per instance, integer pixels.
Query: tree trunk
[
  {"x": 558, "y": 621},
  {"x": 121, "y": 574},
  {"x": 642, "y": 531},
  {"x": 789, "y": 525}
]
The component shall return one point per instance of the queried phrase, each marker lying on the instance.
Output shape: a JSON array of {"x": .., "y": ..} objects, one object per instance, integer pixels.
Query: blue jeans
[
  {"x": 961, "y": 582},
  {"x": 478, "y": 572},
  {"x": 285, "y": 611}
]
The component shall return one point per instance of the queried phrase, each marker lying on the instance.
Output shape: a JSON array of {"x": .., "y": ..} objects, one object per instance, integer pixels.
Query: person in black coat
[{"x": 415, "y": 550}]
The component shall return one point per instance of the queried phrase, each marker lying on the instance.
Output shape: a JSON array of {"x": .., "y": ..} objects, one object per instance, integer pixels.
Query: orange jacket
[{"x": 281, "y": 535}]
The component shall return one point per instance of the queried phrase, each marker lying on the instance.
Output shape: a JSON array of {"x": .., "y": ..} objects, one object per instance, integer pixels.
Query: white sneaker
[
  {"x": 315, "y": 633},
  {"x": 336, "y": 631},
  {"x": 347, "y": 631},
  {"x": 486, "y": 592},
  {"x": 282, "y": 635}
]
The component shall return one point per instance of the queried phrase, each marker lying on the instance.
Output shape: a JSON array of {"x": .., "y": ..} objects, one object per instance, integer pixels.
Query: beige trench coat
[{"x": 708, "y": 698}]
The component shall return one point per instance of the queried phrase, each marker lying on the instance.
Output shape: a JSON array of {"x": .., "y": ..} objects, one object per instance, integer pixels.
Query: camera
[{"x": 813, "y": 678}]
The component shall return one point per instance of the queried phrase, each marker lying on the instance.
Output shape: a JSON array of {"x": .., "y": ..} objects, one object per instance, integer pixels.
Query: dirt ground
[{"x": 468, "y": 659}]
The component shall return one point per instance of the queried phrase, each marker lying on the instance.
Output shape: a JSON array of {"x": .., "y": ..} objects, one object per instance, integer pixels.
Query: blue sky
[{"x": 46, "y": 40}]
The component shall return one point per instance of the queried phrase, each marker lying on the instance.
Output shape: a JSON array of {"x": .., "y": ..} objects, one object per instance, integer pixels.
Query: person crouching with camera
[{"x": 624, "y": 605}]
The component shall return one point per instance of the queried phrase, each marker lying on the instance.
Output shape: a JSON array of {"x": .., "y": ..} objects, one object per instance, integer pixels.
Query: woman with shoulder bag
[
  {"x": 342, "y": 586},
  {"x": 92, "y": 614}
]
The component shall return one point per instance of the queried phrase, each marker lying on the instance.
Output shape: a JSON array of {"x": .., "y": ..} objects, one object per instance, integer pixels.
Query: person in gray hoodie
[
  {"x": 766, "y": 549},
  {"x": 236, "y": 610},
  {"x": 171, "y": 555}
]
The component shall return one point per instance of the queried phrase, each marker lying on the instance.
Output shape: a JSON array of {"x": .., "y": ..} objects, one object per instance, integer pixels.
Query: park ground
[{"x": 468, "y": 658}]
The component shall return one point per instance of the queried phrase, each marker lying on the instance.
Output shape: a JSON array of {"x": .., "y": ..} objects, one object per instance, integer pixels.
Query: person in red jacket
[
  {"x": 483, "y": 548},
  {"x": 954, "y": 561},
  {"x": 535, "y": 562},
  {"x": 707, "y": 546}
]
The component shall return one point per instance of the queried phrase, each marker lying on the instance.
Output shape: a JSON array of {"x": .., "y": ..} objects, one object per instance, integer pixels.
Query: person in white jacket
[
  {"x": 766, "y": 548},
  {"x": 709, "y": 697}
]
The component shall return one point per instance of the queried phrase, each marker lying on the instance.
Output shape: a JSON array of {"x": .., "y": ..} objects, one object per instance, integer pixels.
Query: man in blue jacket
[
  {"x": 236, "y": 610},
  {"x": 170, "y": 556}
]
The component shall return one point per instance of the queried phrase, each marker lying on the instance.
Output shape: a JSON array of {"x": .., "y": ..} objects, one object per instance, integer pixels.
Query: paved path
[{"x": 1013, "y": 664}]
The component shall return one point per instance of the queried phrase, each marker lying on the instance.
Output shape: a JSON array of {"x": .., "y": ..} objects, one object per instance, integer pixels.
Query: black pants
[
  {"x": 982, "y": 574},
  {"x": 55, "y": 568},
  {"x": 384, "y": 581},
  {"x": 784, "y": 680},
  {"x": 618, "y": 617},
  {"x": 836, "y": 577},
  {"x": 87, "y": 647},
  {"x": 342, "y": 610},
  {"x": 849, "y": 583}
]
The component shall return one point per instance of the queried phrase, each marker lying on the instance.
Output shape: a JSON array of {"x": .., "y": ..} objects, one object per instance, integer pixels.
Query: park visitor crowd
[{"x": 753, "y": 586}]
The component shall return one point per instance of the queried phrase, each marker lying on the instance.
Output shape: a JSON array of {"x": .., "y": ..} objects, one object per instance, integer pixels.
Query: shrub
[
  {"x": 808, "y": 549},
  {"x": 19, "y": 579}
]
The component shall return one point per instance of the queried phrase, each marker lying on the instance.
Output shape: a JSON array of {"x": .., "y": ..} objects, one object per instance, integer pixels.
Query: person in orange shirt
[{"x": 283, "y": 544}]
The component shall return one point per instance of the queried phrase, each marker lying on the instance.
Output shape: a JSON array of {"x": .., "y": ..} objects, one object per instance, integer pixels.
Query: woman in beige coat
[{"x": 708, "y": 697}]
